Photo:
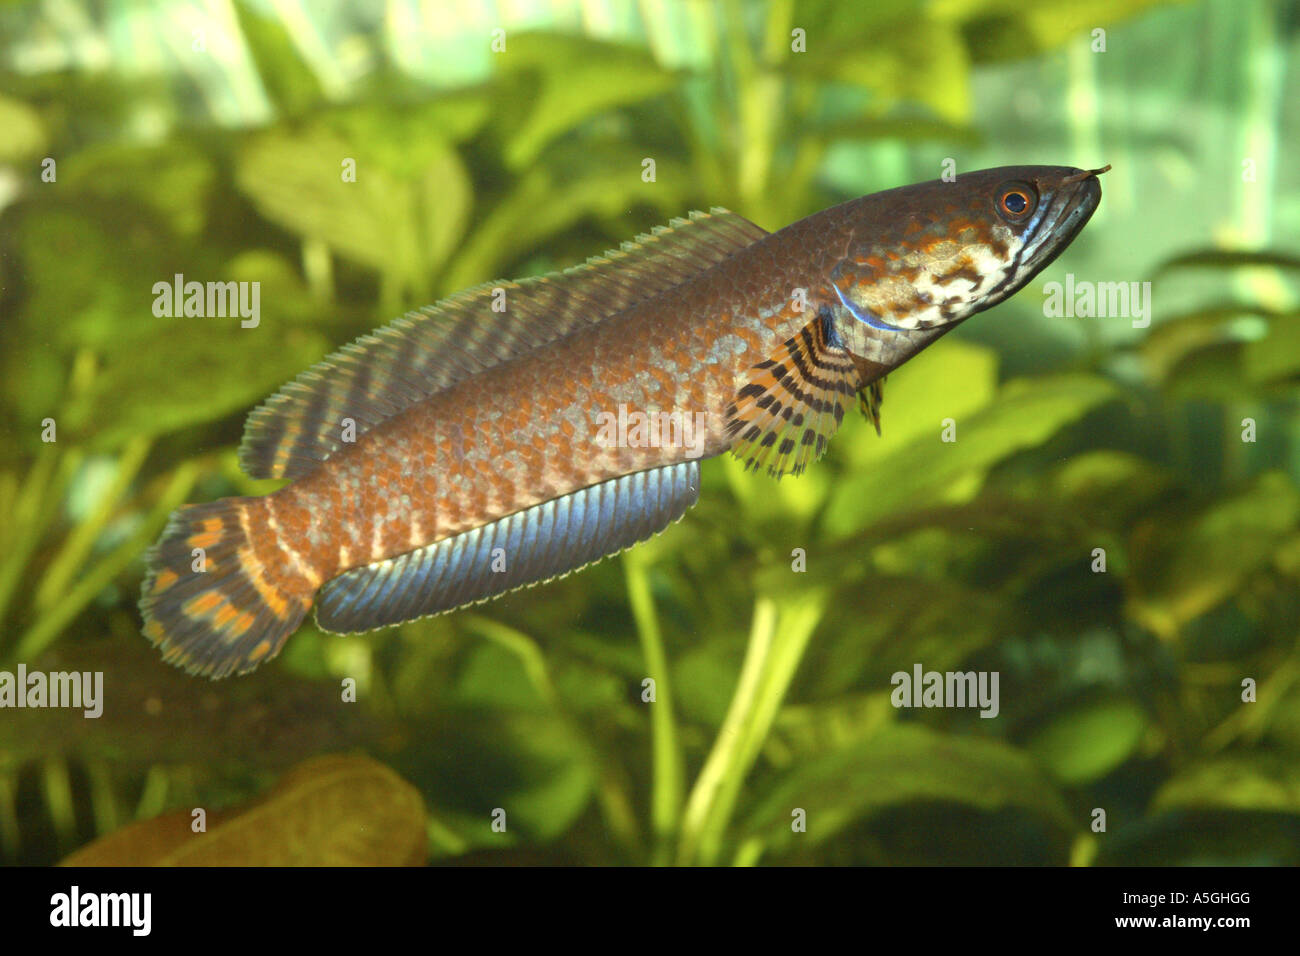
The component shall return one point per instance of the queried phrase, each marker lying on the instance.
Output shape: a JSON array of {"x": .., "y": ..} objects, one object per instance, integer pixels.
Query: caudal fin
[{"x": 209, "y": 604}]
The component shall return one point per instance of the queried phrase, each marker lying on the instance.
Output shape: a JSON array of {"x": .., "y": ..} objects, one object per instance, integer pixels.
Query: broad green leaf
[
  {"x": 1228, "y": 259},
  {"x": 201, "y": 369},
  {"x": 1183, "y": 565},
  {"x": 1086, "y": 742},
  {"x": 286, "y": 76},
  {"x": 1212, "y": 373},
  {"x": 24, "y": 132},
  {"x": 526, "y": 763},
  {"x": 924, "y": 61},
  {"x": 491, "y": 676},
  {"x": 402, "y": 216},
  {"x": 1276, "y": 357},
  {"x": 86, "y": 287},
  {"x": 928, "y": 470},
  {"x": 549, "y": 198},
  {"x": 1173, "y": 340},
  {"x": 802, "y": 731},
  {"x": 576, "y": 78},
  {"x": 330, "y": 811},
  {"x": 1104, "y": 474},
  {"x": 175, "y": 180},
  {"x": 910, "y": 619},
  {"x": 1259, "y": 780},
  {"x": 1004, "y": 29},
  {"x": 902, "y": 764},
  {"x": 704, "y": 678},
  {"x": 951, "y": 379}
]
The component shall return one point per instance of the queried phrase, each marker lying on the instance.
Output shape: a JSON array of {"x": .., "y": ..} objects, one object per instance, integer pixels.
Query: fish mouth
[
  {"x": 1072, "y": 202},
  {"x": 1065, "y": 206}
]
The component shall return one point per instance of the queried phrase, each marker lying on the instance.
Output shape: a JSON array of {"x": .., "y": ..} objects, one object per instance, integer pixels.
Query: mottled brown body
[{"x": 512, "y": 437}]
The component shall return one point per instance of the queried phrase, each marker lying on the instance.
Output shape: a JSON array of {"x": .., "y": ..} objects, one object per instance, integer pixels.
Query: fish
[{"x": 523, "y": 429}]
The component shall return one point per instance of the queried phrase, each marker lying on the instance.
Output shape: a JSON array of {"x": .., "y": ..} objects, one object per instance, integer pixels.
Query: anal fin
[{"x": 538, "y": 544}]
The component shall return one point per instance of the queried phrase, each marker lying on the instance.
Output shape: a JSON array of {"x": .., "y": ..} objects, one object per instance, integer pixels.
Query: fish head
[{"x": 922, "y": 258}]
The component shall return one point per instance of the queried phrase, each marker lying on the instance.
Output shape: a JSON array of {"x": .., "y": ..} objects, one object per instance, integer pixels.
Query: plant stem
[
  {"x": 666, "y": 797},
  {"x": 778, "y": 637}
]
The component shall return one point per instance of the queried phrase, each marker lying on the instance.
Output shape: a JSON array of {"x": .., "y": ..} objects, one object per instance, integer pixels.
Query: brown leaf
[{"x": 329, "y": 811}]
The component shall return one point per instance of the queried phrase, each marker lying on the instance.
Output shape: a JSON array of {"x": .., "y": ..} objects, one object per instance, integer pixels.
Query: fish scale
[{"x": 482, "y": 458}]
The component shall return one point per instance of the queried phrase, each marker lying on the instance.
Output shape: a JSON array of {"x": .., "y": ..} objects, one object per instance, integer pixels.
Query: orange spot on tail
[
  {"x": 201, "y": 604},
  {"x": 209, "y": 535},
  {"x": 165, "y": 579}
]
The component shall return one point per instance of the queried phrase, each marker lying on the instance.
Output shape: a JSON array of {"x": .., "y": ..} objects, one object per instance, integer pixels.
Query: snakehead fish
[{"x": 465, "y": 450}]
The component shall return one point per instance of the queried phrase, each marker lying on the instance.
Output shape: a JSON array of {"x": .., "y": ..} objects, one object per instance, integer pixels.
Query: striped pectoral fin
[
  {"x": 531, "y": 546},
  {"x": 792, "y": 403}
]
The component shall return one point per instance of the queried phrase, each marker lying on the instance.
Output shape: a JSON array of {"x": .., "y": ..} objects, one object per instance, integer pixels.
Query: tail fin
[{"x": 209, "y": 603}]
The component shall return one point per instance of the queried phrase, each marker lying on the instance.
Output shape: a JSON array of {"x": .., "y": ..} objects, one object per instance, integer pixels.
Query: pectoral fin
[{"x": 792, "y": 403}]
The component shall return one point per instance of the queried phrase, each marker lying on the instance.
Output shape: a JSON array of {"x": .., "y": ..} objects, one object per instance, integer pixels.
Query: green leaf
[
  {"x": 902, "y": 764},
  {"x": 1260, "y": 780},
  {"x": 951, "y": 379},
  {"x": 96, "y": 285},
  {"x": 1183, "y": 565},
  {"x": 549, "y": 198},
  {"x": 402, "y": 216},
  {"x": 200, "y": 369},
  {"x": 912, "y": 619},
  {"x": 288, "y": 79},
  {"x": 1227, "y": 259},
  {"x": 923, "y": 61},
  {"x": 1086, "y": 742},
  {"x": 1005, "y": 29},
  {"x": 175, "y": 180},
  {"x": 1180, "y": 336},
  {"x": 927, "y": 470},
  {"x": 525, "y": 762},
  {"x": 24, "y": 133},
  {"x": 575, "y": 79},
  {"x": 1276, "y": 357}
]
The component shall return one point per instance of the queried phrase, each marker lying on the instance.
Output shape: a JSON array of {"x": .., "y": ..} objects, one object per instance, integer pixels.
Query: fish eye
[{"x": 1016, "y": 201}]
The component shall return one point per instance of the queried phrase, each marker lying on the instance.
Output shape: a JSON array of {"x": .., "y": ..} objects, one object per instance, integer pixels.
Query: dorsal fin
[
  {"x": 534, "y": 545},
  {"x": 792, "y": 403},
  {"x": 387, "y": 371}
]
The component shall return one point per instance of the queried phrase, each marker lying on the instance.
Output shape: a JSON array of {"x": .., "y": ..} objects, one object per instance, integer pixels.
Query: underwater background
[{"x": 1115, "y": 530}]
